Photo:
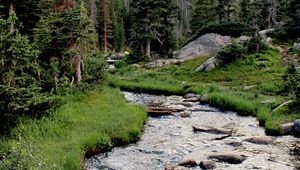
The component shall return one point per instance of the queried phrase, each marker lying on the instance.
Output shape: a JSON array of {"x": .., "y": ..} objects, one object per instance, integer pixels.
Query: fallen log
[
  {"x": 162, "y": 111},
  {"x": 212, "y": 131}
]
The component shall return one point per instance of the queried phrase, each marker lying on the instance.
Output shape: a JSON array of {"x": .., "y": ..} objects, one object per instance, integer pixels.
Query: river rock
[
  {"x": 297, "y": 127},
  {"x": 229, "y": 158},
  {"x": 202, "y": 46},
  {"x": 191, "y": 95},
  {"x": 260, "y": 140},
  {"x": 188, "y": 163},
  {"x": 204, "y": 99},
  {"x": 193, "y": 99},
  {"x": 169, "y": 167},
  {"x": 185, "y": 114},
  {"x": 207, "y": 164},
  {"x": 287, "y": 128}
]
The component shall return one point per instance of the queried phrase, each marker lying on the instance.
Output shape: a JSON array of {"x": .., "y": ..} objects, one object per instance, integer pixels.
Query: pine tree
[
  {"x": 245, "y": 13},
  {"x": 294, "y": 13},
  {"x": 203, "y": 15},
  {"x": 225, "y": 10},
  {"x": 152, "y": 21}
]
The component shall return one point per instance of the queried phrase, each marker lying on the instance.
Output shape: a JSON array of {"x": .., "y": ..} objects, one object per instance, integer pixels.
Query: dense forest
[{"x": 51, "y": 49}]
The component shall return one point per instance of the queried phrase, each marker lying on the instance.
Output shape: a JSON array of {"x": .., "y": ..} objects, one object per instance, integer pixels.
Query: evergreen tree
[
  {"x": 245, "y": 13},
  {"x": 203, "y": 15},
  {"x": 152, "y": 21},
  {"x": 20, "y": 89},
  {"x": 225, "y": 10},
  {"x": 294, "y": 13}
]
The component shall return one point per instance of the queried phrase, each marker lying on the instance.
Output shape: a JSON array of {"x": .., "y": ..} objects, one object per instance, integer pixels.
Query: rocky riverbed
[{"x": 199, "y": 137}]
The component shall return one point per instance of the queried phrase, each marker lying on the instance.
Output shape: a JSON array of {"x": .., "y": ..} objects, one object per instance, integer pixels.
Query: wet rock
[
  {"x": 186, "y": 104},
  {"x": 185, "y": 115},
  {"x": 207, "y": 164},
  {"x": 287, "y": 128},
  {"x": 191, "y": 95},
  {"x": 188, "y": 163},
  {"x": 229, "y": 158},
  {"x": 192, "y": 99},
  {"x": 297, "y": 127},
  {"x": 211, "y": 130},
  {"x": 260, "y": 140}
]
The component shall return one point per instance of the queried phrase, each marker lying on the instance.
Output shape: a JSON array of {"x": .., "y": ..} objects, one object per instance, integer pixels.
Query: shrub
[
  {"x": 95, "y": 68},
  {"x": 280, "y": 35},
  {"x": 231, "y": 53},
  {"x": 255, "y": 45}
]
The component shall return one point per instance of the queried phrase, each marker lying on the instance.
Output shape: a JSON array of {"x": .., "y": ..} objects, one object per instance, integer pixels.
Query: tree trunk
[
  {"x": 104, "y": 39},
  {"x": 10, "y": 7},
  {"x": 148, "y": 48},
  {"x": 77, "y": 67}
]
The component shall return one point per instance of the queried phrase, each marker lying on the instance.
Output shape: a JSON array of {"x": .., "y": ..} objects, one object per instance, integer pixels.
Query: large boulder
[
  {"x": 297, "y": 46},
  {"x": 204, "y": 45}
]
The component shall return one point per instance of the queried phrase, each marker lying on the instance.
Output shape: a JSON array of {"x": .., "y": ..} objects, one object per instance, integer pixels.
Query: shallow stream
[{"x": 169, "y": 140}]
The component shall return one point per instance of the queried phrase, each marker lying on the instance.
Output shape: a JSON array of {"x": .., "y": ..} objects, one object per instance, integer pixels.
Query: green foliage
[
  {"x": 255, "y": 44},
  {"x": 231, "y": 53},
  {"x": 153, "y": 23},
  {"x": 20, "y": 89},
  {"x": 95, "y": 68},
  {"x": 291, "y": 81},
  {"x": 279, "y": 35},
  {"x": 84, "y": 126}
]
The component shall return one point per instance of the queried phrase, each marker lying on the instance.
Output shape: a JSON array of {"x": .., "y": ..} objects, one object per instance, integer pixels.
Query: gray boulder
[
  {"x": 209, "y": 64},
  {"x": 204, "y": 45},
  {"x": 297, "y": 127},
  {"x": 297, "y": 46}
]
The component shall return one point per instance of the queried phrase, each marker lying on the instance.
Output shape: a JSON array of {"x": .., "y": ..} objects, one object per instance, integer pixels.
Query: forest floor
[{"x": 249, "y": 86}]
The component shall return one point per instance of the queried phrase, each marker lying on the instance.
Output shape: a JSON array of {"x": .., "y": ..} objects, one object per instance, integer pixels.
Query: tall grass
[{"x": 85, "y": 126}]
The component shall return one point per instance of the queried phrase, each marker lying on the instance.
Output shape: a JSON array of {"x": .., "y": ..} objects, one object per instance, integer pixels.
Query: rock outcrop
[
  {"x": 204, "y": 45},
  {"x": 209, "y": 64}
]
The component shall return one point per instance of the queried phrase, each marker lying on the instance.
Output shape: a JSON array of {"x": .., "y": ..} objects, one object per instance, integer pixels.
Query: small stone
[
  {"x": 185, "y": 115},
  {"x": 260, "y": 140},
  {"x": 188, "y": 163},
  {"x": 207, "y": 164},
  {"x": 229, "y": 158},
  {"x": 169, "y": 167}
]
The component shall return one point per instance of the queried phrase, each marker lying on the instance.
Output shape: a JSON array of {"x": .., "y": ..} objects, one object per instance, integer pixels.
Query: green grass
[
  {"x": 90, "y": 124},
  {"x": 226, "y": 85}
]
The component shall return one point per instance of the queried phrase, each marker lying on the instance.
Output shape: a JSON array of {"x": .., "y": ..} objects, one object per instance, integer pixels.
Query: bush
[
  {"x": 255, "y": 45},
  {"x": 279, "y": 35},
  {"x": 95, "y": 68},
  {"x": 231, "y": 53}
]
